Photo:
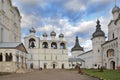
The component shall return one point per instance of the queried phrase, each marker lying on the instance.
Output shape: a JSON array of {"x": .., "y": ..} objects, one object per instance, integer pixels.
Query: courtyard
[{"x": 48, "y": 75}]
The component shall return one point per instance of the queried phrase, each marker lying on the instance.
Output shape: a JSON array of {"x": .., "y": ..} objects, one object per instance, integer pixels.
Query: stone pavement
[{"x": 48, "y": 75}]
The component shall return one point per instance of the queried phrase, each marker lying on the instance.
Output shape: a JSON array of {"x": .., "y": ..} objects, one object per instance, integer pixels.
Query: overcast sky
[{"x": 73, "y": 17}]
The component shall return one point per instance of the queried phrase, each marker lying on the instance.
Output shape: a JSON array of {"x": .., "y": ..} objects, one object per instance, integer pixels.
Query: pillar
[
  {"x": 3, "y": 57},
  {"x": 14, "y": 58}
]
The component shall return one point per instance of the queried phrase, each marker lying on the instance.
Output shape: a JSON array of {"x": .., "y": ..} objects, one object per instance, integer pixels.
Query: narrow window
[
  {"x": 45, "y": 57},
  {"x": 56, "y": 57},
  {"x": 98, "y": 50},
  {"x": 1, "y": 34},
  {"x": 1, "y": 57},
  {"x": 113, "y": 35}
]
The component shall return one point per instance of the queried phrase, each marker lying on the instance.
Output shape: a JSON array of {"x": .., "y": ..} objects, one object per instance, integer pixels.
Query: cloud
[
  {"x": 27, "y": 20},
  {"x": 74, "y": 17},
  {"x": 74, "y": 5}
]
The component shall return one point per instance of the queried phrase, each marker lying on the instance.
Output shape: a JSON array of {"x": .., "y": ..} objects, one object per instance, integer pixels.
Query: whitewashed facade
[
  {"x": 10, "y": 20},
  {"x": 12, "y": 51},
  {"x": 104, "y": 53},
  {"x": 47, "y": 53},
  {"x": 12, "y": 57}
]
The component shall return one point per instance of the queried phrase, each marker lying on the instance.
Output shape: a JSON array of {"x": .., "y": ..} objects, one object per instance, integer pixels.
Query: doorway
[
  {"x": 31, "y": 66},
  {"x": 45, "y": 66},
  {"x": 53, "y": 66},
  {"x": 62, "y": 66},
  {"x": 112, "y": 65}
]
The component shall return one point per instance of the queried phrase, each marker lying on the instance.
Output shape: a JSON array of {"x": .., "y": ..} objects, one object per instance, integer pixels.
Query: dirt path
[{"x": 48, "y": 75}]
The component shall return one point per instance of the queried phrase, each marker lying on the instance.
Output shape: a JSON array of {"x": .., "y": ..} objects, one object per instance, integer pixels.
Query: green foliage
[{"x": 105, "y": 75}]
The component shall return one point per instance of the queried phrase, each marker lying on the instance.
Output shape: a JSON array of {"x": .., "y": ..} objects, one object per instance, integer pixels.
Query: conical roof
[
  {"x": 115, "y": 9},
  {"x": 98, "y": 31},
  {"x": 77, "y": 47}
]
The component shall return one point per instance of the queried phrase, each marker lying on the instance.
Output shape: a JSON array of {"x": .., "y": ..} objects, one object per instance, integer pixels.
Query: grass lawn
[{"x": 105, "y": 75}]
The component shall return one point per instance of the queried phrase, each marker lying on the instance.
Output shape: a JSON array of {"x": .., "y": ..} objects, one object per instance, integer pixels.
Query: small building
[
  {"x": 75, "y": 61},
  {"x": 12, "y": 57}
]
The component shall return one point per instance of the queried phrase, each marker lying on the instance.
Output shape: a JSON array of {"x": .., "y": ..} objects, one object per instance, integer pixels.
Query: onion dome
[
  {"x": 32, "y": 30},
  {"x": 77, "y": 47},
  {"x": 45, "y": 34},
  {"x": 115, "y": 9},
  {"x": 98, "y": 31},
  {"x": 61, "y": 35},
  {"x": 52, "y": 33}
]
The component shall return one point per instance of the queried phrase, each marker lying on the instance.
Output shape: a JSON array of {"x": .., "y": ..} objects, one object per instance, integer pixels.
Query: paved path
[{"x": 48, "y": 75}]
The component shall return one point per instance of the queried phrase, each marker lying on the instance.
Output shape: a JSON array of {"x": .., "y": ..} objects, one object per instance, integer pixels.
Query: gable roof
[{"x": 13, "y": 45}]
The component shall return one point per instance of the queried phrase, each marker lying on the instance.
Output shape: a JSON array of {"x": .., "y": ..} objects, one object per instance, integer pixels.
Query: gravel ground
[{"x": 48, "y": 75}]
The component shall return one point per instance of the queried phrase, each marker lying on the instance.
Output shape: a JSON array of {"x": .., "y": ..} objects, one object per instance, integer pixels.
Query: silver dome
[
  {"x": 53, "y": 33},
  {"x": 32, "y": 30},
  {"x": 61, "y": 35},
  {"x": 45, "y": 34}
]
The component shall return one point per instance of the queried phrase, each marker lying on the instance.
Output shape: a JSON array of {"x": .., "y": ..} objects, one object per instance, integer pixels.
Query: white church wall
[
  {"x": 10, "y": 21},
  {"x": 88, "y": 58}
]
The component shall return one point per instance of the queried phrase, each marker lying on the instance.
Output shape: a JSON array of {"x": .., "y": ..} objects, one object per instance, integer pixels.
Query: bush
[{"x": 118, "y": 68}]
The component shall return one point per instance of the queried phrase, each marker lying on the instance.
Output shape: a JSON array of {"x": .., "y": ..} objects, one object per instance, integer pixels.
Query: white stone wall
[
  {"x": 97, "y": 50},
  {"x": 76, "y": 53},
  {"x": 10, "y": 20},
  {"x": 88, "y": 58},
  {"x": 12, "y": 66},
  {"x": 48, "y": 56}
]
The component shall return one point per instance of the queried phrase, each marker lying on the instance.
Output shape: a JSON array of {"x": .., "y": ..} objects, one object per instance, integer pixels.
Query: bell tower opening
[{"x": 32, "y": 43}]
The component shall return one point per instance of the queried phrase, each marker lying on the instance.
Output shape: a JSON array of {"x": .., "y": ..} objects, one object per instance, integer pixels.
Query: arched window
[
  {"x": 7, "y": 57},
  {"x": 10, "y": 57},
  {"x": 62, "y": 46},
  {"x": 54, "y": 45},
  {"x": 45, "y": 45},
  {"x": 32, "y": 43},
  {"x": 1, "y": 57},
  {"x": 110, "y": 53}
]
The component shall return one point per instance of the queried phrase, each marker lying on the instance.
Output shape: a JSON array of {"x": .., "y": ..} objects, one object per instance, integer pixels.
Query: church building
[
  {"x": 12, "y": 51},
  {"x": 47, "y": 53},
  {"x": 104, "y": 53}
]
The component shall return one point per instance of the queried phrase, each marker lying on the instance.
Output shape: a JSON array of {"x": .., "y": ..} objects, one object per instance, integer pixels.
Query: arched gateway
[{"x": 112, "y": 65}]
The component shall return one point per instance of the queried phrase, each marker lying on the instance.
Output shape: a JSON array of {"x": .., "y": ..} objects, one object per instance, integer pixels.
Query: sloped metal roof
[
  {"x": 9, "y": 44},
  {"x": 13, "y": 45},
  {"x": 76, "y": 60}
]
